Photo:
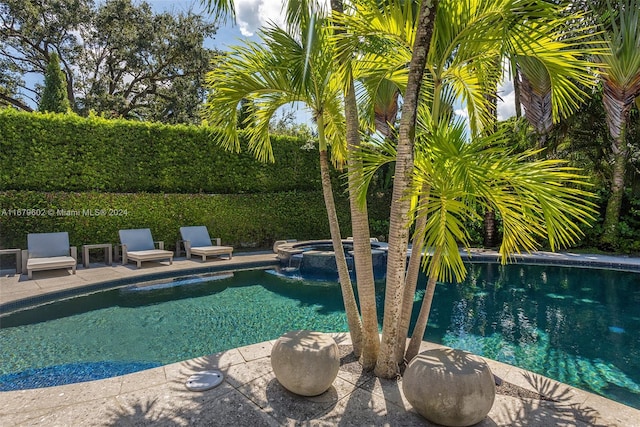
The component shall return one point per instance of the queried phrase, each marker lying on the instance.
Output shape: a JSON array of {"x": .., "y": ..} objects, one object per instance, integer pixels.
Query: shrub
[
  {"x": 65, "y": 152},
  {"x": 241, "y": 220}
]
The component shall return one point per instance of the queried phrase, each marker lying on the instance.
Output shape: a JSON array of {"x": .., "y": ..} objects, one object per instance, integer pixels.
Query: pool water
[{"x": 579, "y": 326}]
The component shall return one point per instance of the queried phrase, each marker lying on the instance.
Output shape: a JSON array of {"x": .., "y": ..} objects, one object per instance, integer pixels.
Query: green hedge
[
  {"x": 65, "y": 152},
  {"x": 241, "y": 220}
]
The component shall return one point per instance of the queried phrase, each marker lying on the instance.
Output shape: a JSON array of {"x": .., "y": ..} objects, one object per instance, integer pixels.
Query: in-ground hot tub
[{"x": 315, "y": 259}]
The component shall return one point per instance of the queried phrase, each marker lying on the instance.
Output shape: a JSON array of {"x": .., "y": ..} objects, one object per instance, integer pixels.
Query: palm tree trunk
[
  {"x": 489, "y": 225},
  {"x": 618, "y": 100},
  {"x": 425, "y": 309},
  {"x": 411, "y": 279},
  {"x": 361, "y": 238},
  {"x": 350, "y": 305},
  {"x": 489, "y": 222},
  {"x": 612, "y": 214},
  {"x": 360, "y": 230},
  {"x": 370, "y": 342},
  {"x": 516, "y": 92},
  {"x": 386, "y": 365}
]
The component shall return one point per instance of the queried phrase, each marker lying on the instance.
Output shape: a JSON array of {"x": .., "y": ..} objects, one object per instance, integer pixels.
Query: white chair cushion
[
  {"x": 50, "y": 263},
  {"x": 212, "y": 250},
  {"x": 149, "y": 255}
]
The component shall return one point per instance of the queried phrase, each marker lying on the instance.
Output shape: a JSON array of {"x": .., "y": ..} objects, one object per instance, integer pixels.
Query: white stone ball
[
  {"x": 449, "y": 387},
  {"x": 305, "y": 362}
]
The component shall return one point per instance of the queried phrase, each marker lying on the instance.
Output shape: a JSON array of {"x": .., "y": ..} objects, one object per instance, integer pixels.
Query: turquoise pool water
[{"x": 579, "y": 326}]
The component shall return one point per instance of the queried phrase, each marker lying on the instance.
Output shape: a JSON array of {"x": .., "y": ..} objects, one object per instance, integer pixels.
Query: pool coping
[
  {"x": 560, "y": 259},
  {"x": 248, "y": 260},
  {"x": 180, "y": 268}
]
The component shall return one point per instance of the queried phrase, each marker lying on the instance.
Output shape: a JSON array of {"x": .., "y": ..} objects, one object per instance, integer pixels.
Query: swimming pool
[{"x": 579, "y": 326}]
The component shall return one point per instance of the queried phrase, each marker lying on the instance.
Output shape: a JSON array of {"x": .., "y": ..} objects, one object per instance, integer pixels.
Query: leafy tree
[
  {"x": 139, "y": 64},
  {"x": 54, "y": 96},
  {"x": 29, "y": 31},
  {"x": 285, "y": 124},
  {"x": 10, "y": 82},
  {"x": 119, "y": 59}
]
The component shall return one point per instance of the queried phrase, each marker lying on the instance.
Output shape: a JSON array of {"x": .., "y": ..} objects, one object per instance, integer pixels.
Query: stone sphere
[
  {"x": 305, "y": 362},
  {"x": 449, "y": 387}
]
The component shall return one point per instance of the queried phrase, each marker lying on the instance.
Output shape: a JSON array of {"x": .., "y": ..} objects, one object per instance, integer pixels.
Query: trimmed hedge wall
[
  {"x": 241, "y": 220},
  {"x": 65, "y": 152},
  {"x": 92, "y": 177}
]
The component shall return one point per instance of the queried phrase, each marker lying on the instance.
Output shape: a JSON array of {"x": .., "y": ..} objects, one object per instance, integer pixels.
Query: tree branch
[{"x": 15, "y": 102}]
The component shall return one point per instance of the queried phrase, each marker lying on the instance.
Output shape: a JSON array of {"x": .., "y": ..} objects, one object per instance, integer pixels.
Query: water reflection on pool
[{"x": 579, "y": 326}]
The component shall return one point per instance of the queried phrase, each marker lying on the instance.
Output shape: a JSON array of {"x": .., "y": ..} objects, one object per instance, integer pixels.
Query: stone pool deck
[{"x": 250, "y": 394}]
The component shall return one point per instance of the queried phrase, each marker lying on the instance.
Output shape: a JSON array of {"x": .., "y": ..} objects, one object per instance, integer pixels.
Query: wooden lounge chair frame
[
  {"x": 138, "y": 245},
  {"x": 50, "y": 251},
  {"x": 196, "y": 241}
]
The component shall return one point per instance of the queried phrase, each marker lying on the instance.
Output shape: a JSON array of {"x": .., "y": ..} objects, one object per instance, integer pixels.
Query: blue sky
[{"x": 250, "y": 16}]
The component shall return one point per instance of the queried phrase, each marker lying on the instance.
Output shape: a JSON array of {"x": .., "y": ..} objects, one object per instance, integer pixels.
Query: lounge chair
[
  {"x": 196, "y": 241},
  {"x": 50, "y": 251},
  {"x": 138, "y": 246}
]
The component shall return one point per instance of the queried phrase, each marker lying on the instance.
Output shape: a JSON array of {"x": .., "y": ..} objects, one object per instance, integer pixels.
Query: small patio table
[
  {"x": 18, "y": 254},
  {"x": 108, "y": 249}
]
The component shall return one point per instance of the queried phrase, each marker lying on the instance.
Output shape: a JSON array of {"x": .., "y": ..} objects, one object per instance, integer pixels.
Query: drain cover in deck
[{"x": 204, "y": 380}]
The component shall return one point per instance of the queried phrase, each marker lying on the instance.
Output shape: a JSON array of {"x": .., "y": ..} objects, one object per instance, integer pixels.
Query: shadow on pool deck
[{"x": 250, "y": 394}]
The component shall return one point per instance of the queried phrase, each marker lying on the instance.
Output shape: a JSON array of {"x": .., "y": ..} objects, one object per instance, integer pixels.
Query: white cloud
[
  {"x": 506, "y": 105},
  {"x": 462, "y": 112},
  {"x": 506, "y": 101},
  {"x": 253, "y": 14}
]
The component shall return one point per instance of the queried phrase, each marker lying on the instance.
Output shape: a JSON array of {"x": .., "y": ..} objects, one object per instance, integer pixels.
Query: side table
[
  {"x": 108, "y": 249},
  {"x": 18, "y": 254}
]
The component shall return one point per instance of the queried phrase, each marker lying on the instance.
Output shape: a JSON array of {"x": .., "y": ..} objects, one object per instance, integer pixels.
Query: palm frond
[
  {"x": 285, "y": 68},
  {"x": 373, "y": 156},
  {"x": 536, "y": 199},
  {"x": 221, "y": 9},
  {"x": 621, "y": 65}
]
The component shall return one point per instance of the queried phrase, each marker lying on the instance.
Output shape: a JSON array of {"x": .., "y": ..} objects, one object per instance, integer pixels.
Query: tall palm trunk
[
  {"x": 386, "y": 365},
  {"x": 489, "y": 225},
  {"x": 350, "y": 305},
  {"x": 411, "y": 278},
  {"x": 618, "y": 102},
  {"x": 361, "y": 238},
  {"x": 425, "y": 309},
  {"x": 489, "y": 220},
  {"x": 516, "y": 92},
  {"x": 360, "y": 230},
  {"x": 620, "y": 152}
]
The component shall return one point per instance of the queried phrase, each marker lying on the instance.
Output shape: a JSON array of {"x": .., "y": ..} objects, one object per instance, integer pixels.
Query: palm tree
[
  {"x": 468, "y": 37},
  {"x": 386, "y": 365},
  {"x": 428, "y": 73},
  {"x": 621, "y": 83},
  {"x": 287, "y": 68},
  {"x": 531, "y": 196},
  {"x": 366, "y": 344}
]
